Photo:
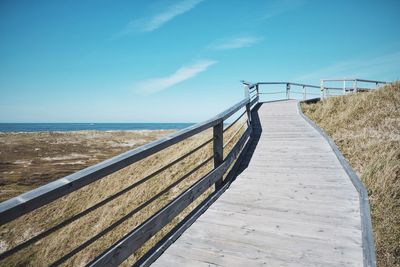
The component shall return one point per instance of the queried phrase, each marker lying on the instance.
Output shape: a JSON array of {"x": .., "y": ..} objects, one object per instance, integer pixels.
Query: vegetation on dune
[
  {"x": 366, "y": 127},
  {"x": 131, "y": 208},
  {"x": 29, "y": 160}
]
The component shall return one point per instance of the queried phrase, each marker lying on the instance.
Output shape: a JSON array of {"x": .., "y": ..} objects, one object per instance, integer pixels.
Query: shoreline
[
  {"x": 89, "y": 131},
  {"x": 75, "y": 127}
]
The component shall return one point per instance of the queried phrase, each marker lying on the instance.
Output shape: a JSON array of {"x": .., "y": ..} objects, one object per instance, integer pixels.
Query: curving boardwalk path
[{"x": 293, "y": 205}]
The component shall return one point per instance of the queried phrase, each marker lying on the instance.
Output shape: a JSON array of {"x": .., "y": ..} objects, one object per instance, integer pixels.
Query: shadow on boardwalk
[{"x": 244, "y": 159}]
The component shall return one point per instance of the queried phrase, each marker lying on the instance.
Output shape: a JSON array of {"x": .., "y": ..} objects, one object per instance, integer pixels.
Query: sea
[{"x": 68, "y": 127}]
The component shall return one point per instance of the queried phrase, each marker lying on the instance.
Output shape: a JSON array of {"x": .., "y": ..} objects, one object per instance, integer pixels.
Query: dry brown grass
[
  {"x": 59, "y": 243},
  {"x": 29, "y": 160},
  {"x": 366, "y": 127}
]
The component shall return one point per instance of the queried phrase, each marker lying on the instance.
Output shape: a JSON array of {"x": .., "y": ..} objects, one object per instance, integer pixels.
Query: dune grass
[
  {"x": 139, "y": 203},
  {"x": 366, "y": 128},
  {"x": 29, "y": 160}
]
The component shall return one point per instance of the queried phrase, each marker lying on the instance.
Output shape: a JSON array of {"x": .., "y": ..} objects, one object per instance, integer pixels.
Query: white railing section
[
  {"x": 348, "y": 85},
  {"x": 293, "y": 90}
]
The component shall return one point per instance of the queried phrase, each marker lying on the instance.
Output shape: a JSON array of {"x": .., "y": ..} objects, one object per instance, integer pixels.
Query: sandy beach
[{"x": 28, "y": 160}]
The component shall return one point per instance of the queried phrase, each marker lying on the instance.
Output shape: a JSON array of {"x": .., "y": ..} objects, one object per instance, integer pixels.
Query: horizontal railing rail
[
  {"x": 290, "y": 83},
  {"x": 25, "y": 203},
  {"x": 354, "y": 79},
  {"x": 287, "y": 91}
]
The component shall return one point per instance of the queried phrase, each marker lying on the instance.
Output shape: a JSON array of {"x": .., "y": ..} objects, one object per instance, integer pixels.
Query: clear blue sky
[{"x": 180, "y": 61}]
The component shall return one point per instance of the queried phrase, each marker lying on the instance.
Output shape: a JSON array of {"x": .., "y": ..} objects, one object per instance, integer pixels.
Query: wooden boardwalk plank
[{"x": 293, "y": 205}]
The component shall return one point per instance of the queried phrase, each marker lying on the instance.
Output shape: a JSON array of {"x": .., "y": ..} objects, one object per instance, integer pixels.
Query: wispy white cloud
[
  {"x": 278, "y": 7},
  {"x": 156, "y": 21},
  {"x": 182, "y": 74},
  {"x": 380, "y": 67},
  {"x": 235, "y": 43}
]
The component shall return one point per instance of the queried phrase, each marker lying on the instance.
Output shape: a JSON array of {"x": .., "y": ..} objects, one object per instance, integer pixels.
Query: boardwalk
[{"x": 293, "y": 205}]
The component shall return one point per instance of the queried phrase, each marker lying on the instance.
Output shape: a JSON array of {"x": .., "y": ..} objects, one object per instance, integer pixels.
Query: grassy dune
[
  {"x": 139, "y": 203},
  {"x": 366, "y": 127}
]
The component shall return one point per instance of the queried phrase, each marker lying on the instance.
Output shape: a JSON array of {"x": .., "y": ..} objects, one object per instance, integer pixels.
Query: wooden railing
[
  {"x": 355, "y": 86},
  {"x": 323, "y": 90},
  {"x": 119, "y": 251},
  {"x": 287, "y": 92}
]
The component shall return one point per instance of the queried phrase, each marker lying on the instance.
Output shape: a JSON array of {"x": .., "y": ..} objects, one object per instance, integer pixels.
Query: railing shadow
[{"x": 244, "y": 159}]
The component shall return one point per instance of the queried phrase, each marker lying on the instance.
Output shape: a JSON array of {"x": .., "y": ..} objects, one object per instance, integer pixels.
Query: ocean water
[{"x": 66, "y": 127}]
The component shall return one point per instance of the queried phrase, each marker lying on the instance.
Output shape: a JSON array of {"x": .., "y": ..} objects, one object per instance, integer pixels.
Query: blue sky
[{"x": 180, "y": 61}]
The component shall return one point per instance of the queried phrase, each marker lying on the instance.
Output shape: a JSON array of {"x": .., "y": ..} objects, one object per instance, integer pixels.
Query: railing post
[
  {"x": 218, "y": 148},
  {"x": 257, "y": 89},
  {"x": 287, "y": 90},
  {"x": 304, "y": 92},
  {"x": 246, "y": 91},
  {"x": 322, "y": 89},
  {"x": 355, "y": 86},
  {"x": 344, "y": 87},
  {"x": 248, "y": 112}
]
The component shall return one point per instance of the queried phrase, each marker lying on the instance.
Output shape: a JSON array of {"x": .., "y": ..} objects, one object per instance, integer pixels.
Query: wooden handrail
[
  {"x": 354, "y": 79},
  {"x": 24, "y": 203}
]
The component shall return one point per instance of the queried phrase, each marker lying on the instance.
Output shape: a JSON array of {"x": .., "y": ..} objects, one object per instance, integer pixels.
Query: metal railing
[{"x": 119, "y": 251}]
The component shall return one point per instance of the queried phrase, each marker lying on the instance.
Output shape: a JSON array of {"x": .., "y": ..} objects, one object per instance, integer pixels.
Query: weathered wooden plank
[
  {"x": 289, "y": 212},
  {"x": 287, "y": 227},
  {"x": 252, "y": 247}
]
